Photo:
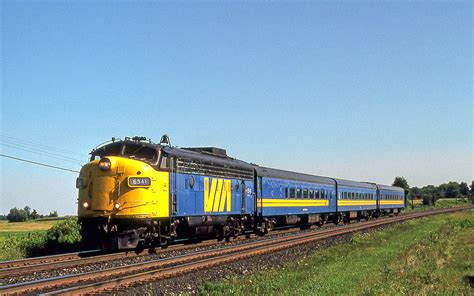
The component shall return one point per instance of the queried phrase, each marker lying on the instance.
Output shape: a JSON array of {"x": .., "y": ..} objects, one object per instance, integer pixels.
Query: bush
[
  {"x": 65, "y": 232},
  {"x": 427, "y": 200},
  {"x": 17, "y": 215},
  {"x": 63, "y": 237}
]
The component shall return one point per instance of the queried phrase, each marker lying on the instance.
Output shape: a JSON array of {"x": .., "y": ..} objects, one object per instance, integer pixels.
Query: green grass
[
  {"x": 13, "y": 235},
  {"x": 439, "y": 204},
  {"x": 39, "y": 238},
  {"x": 426, "y": 256}
]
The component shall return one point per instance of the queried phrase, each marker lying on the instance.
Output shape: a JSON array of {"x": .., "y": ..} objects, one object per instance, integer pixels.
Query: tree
[
  {"x": 452, "y": 190},
  {"x": 464, "y": 189},
  {"x": 17, "y": 215},
  {"x": 34, "y": 215},
  {"x": 27, "y": 211},
  {"x": 53, "y": 214},
  {"x": 402, "y": 183},
  {"x": 429, "y": 190},
  {"x": 415, "y": 192}
]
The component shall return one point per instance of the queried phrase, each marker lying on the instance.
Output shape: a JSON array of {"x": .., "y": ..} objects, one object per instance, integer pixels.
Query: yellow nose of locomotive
[{"x": 120, "y": 187}]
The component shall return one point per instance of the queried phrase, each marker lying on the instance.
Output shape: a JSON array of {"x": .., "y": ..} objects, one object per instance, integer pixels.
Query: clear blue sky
[{"x": 351, "y": 89}]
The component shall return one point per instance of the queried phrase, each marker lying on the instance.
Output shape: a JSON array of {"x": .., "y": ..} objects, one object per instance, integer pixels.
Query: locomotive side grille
[{"x": 197, "y": 168}]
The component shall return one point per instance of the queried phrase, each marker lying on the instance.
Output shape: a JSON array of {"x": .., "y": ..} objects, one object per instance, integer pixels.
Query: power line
[
  {"x": 38, "y": 163},
  {"x": 39, "y": 146},
  {"x": 43, "y": 153}
]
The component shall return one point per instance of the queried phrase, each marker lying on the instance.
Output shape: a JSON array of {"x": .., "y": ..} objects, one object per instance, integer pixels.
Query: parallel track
[
  {"x": 164, "y": 268},
  {"x": 45, "y": 259},
  {"x": 38, "y": 264}
]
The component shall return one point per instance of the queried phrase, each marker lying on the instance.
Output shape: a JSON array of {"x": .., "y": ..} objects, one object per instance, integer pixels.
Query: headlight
[
  {"x": 85, "y": 204},
  {"x": 79, "y": 183},
  {"x": 104, "y": 164},
  {"x": 117, "y": 205}
]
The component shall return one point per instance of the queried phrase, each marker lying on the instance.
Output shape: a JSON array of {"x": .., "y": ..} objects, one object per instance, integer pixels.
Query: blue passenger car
[
  {"x": 294, "y": 198},
  {"x": 357, "y": 198},
  {"x": 390, "y": 199}
]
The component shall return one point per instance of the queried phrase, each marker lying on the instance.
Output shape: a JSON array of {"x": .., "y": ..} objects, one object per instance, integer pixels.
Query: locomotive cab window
[
  {"x": 141, "y": 152},
  {"x": 114, "y": 149}
]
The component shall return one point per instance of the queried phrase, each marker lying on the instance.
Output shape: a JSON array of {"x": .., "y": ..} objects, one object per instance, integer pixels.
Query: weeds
[{"x": 62, "y": 237}]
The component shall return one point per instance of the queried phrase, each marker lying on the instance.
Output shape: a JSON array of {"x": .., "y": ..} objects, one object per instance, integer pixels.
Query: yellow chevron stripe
[
  {"x": 274, "y": 202},
  {"x": 217, "y": 198},
  {"x": 218, "y": 195},
  {"x": 356, "y": 203},
  {"x": 225, "y": 197},
  {"x": 391, "y": 202}
]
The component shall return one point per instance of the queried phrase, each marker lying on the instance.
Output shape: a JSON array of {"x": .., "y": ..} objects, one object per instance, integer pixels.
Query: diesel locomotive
[{"x": 134, "y": 193}]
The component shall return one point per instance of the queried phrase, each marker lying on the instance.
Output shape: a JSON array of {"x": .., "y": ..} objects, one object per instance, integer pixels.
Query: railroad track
[
  {"x": 39, "y": 264},
  {"x": 45, "y": 259},
  {"x": 165, "y": 268}
]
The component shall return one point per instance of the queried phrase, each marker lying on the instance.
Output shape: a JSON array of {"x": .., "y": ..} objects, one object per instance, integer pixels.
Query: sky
[{"x": 363, "y": 90}]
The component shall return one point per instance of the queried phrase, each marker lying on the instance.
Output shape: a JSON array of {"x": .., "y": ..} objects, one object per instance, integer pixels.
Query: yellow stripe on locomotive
[{"x": 218, "y": 197}]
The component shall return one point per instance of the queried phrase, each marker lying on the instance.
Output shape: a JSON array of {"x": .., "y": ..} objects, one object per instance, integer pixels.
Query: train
[{"x": 135, "y": 194}]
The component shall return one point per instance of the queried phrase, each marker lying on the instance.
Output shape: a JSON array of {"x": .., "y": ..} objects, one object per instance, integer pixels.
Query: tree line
[
  {"x": 431, "y": 193},
  {"x": 21, "y": 215}
]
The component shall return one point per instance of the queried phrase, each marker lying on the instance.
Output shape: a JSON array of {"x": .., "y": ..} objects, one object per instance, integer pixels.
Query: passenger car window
[{"x": 292, "y": 192}]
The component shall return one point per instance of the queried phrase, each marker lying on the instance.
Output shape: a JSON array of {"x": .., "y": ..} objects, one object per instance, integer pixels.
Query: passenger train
[{"x": 135, "y": 194}]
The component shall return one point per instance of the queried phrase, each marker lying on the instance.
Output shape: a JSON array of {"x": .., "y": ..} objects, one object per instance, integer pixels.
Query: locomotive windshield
[{"x": 138, "y": 151}]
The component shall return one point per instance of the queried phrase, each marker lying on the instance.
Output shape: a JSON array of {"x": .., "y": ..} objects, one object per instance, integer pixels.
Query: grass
[
  {"x": 12, "y": 235},
  {"x": 28, "y": 226},
  {"x": 439, "y": 204},
  {"x": 429, "y": 256}
]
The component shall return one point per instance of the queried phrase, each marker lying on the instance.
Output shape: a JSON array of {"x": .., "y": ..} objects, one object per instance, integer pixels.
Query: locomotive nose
[
  {"x": 99, "y": 186},
  {"x": 118, "y": 186}
]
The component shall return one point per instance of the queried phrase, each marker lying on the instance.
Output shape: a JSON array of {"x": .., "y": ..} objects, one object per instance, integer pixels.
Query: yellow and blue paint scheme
[
  {"x": 108, "y": 193},
  {"x": 356, "y": 199},
  {"x": 199, "y": 195},
  {"x": 274, "y": 198},
  {"x": 389, "y": 198}
]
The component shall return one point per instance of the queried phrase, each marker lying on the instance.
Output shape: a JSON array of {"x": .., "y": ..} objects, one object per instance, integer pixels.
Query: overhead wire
[
  {"x": 43, "y": 153},
  {"x": 40, "y": 149},
  {"x": 38, "y": 163},
  {"x": 37, "y": 145}
]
